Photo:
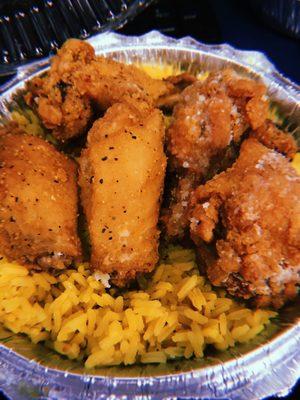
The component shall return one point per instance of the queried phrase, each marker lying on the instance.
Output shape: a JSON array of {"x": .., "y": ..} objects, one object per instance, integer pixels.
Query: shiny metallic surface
[{"x": 266, "y": 366}]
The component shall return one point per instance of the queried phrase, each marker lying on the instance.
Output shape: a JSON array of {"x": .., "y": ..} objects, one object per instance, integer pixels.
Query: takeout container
[
  {"x": 268, "y": 365},
  {"x": 31, "y": 29}
]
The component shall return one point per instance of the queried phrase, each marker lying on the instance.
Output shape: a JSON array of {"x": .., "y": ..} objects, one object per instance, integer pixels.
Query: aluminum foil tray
[{"x": 269, "y": 365}]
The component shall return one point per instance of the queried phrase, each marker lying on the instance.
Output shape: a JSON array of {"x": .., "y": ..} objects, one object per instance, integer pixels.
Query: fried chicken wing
[
  {"x": 210, "y": 115},
  {"x": 107, "y": 81},
  {"x": 38, "y": 214},
  {"x": 206, "y": 130},
  {"x": 252, "y": 211},
  {"x": 78, "y": 79},
  {"x": 121, "y": 178},
  {"x": 59, "y": 104}
]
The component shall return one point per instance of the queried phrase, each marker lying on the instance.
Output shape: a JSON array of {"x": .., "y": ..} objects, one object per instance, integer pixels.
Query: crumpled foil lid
[{"x": 268, "y": 365}]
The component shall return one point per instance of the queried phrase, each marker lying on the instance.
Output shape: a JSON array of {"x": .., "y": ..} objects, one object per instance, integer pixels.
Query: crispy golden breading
[
  {"x": 207, "y": 126},
  {"x": 62, "y": 109},
  {"x": 175, "y": 214},
  {"x": 107, "y": 81},
  {"x": 67, "y": 117},
  {"x": 77, "y": 79},
  {"x": 255, "y": 207},
  {"x": 38, "y": 214},
  {"x": 274, "y": 138},
  {"x": 210, "y": 115},
  {"x": 121, "y": 178}
]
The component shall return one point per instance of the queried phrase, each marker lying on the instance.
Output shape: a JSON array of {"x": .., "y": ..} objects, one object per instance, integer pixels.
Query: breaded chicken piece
[
  {"x": 210, "y": 115},
  {"x": 274, "y": 138},
  {"x": 252, "y": 210},
  {"x": 121, "y": 179},
  {"x": 61, "y": 107},
  {"x": 78, "y": 79},
  {"x": 175, "y": 212},
  {"x": 207, "y": 127},
  {"x": 107, "y": 82},
  {"x": 38, "y": 213}
]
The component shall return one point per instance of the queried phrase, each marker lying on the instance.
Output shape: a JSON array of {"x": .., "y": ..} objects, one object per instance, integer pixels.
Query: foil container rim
[
  {"x": 280, "y": 341},
  {"x": 289, "y": 339},
  {"x": 110, "y": 41}
]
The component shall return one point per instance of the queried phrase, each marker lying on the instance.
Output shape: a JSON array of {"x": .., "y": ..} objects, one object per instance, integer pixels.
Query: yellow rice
[{"x": 177, "y": 315}]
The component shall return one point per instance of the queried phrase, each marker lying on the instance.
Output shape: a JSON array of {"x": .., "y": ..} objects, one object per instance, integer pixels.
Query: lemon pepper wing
[
  {"x": 121, "y": 178},
  {"x": 38, "y": 214}
]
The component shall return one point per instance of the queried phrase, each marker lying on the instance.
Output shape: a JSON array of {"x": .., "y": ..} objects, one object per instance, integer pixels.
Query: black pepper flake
[
  {"x": 36, "y": 200},
  {"x": 110, "y": 238},
  {"x": 133, "y": 137},
  {"x": 91, "y": 179},
  {"x": 16, "y": 199},
  {"x": 62, "y": 87},
  {"x": 124, "y": 211},
  {"x": 106, "y": 136},
  {"x": 104, "y": 158},
  {"x": 11, "y": 219},
  {"x": 111, "y": 148},
  {"x": 103, "y": 230},
  {"x": 50, "y": 230},
  {"x": 116, "y": 158},
  {"x": 101, "y": 181}
]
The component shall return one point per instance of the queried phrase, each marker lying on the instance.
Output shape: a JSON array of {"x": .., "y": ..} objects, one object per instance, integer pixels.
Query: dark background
[{"x": 218, "y": 21}]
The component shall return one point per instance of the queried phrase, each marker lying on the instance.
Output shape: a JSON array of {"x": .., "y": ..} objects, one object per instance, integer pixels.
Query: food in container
[{"x": 184, "y": 54}]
